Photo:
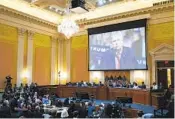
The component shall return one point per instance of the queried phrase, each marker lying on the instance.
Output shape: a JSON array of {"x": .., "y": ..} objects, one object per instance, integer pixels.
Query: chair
[{"x": 75, "y": 114}]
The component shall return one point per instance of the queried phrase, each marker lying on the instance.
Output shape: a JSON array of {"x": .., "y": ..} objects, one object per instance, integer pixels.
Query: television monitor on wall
[{"x": 118, "y": 47}]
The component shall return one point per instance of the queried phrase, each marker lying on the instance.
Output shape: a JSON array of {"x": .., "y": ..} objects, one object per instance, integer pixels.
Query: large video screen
[{"x": 118, "y": 47}]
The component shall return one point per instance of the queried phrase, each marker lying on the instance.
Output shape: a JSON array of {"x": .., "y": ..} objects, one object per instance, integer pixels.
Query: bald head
[{"x": 117, "y": 40}]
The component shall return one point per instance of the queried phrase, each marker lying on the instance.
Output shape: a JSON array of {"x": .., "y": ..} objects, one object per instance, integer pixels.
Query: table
[
  {"x": 141, "y": 96},
  {"x": 69, "y": 91}
]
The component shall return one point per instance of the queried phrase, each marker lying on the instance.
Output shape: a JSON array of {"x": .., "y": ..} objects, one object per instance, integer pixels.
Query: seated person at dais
[
  {"x": 135, "y": 86},
  {"x": 143, "y": 86},
  {"x": 154, "y": 87}
]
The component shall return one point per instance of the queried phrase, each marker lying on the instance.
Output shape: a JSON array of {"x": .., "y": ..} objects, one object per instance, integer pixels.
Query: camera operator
[{"x": 8, "y": 80}]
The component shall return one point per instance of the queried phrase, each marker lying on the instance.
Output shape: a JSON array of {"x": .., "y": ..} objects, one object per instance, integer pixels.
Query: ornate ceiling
[
  {"x": 59, "y": 6},
  {"x": 53, "y": 10},
  {"x": 23, "y": 14}
]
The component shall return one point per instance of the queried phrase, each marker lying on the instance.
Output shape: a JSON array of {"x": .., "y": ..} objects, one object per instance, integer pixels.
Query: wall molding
[
  {"x": 152, "y": 10},
  {"x": 18, "y": 19},
  {"x": 162, "y": 52},
  {"x": 25, "y": 17}
]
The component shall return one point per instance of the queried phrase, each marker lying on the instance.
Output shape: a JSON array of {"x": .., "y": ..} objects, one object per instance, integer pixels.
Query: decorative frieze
[
  {"x": 157, "y": 7},
  {"x": 151, "y": 10},
  {"x": 25, "y": 17}
]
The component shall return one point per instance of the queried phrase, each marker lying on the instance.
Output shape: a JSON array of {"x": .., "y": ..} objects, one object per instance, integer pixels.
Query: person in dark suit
[
  {"x": 5, "y": 110},
  {"x": 118, "y": 56},
  {"x": 82, "y": 110},
  {"x": 143, "y": 86}
]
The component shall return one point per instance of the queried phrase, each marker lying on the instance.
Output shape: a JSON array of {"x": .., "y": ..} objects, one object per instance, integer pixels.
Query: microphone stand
[{"x": 59, "y": 75}]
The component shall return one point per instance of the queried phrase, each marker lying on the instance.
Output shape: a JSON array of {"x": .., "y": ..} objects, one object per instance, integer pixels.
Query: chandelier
[{"x": 68, "y": 26}]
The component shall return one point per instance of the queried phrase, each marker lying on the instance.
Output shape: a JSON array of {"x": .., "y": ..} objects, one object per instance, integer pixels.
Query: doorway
[{"x": 165, "y": 73}]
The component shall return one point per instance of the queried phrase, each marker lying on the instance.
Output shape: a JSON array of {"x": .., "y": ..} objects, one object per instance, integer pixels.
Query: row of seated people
[
  {"x": 88, "y": 84},
  {"x": 125, "y": 84},
  {"x": 23, "y": 101},
  {"x": 11, "y": 91},
  {"x": 85, "y": 84},
  {"x": 116, "y": 83},
  {"x": 134, "y": 85}
]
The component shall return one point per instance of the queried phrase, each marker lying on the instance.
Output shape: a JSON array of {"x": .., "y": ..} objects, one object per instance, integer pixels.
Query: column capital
[
  {"x": 68, "y": 41},
  {"x": 30, "y": 35},
  {"x": 53, "y": 38},
  {"x": 60, "y": 40},
  {"x": 21, "y": 31}
]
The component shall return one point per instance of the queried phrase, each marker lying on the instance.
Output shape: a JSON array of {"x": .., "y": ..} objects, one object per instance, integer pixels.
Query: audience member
[
  {"x": 37, "y": 113},
  {"x": 71, "y": 109},
  {"x": 65, "y": 114},
  {"x": 5, "y": 110},
  {"x": 27, "y": 102},
  {"x": 154, "y": 87},
  {"x": 91, "y": 108},
  {"x": 82, "y": 110},
  {"x": 129, "y": 85}
]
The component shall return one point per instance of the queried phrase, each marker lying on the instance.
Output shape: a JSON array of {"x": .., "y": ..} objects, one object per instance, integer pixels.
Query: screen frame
[{"x": 128, "y": 25}]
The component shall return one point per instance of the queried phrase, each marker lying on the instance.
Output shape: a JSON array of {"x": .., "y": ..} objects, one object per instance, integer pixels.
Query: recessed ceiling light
[
  {"x": 50, "y": 7},
  {"x": 56, "y": 9},
  {"x": 32, "y": 1},
  {"x": 100, "y": 2}
]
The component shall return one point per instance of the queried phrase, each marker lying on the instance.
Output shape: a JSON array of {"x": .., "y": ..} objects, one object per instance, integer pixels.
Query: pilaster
[
  {"x": 54, "y": 69},
  {"x": 20, "y": 57},
  {"x": 68, "y": 60},
  {"x": 30, "y": 57}
]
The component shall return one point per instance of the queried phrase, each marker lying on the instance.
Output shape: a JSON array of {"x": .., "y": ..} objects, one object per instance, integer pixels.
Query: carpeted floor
[{"x": 144, "y": 108}]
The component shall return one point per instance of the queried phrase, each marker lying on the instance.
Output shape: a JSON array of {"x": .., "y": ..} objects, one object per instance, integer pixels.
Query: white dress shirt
[{"x": 155, "y": 87}]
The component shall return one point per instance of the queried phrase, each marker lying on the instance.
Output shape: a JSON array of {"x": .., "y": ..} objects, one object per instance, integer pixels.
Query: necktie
[{"x": 118, "y": 62}]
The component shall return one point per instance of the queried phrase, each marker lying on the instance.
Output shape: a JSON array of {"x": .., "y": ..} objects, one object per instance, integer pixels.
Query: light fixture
[
  {"x": 32, "y": 1},
  {"x": 68, "y": 26}
]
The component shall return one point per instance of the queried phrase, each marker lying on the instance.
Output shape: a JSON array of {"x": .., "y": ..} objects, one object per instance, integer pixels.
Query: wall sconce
[
  {"x": 139, "y": 76},
  {"x": 25, "y": 75},
  {"x": 62, "y": 76},
  {"x": 96, "y": 76}
]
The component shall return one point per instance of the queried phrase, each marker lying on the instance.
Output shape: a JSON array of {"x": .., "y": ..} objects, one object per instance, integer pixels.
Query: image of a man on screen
[{"x": 118, "y": 56}]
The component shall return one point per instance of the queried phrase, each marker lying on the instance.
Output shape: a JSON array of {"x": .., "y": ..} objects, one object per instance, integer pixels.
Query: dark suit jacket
[
  {"x": 82, "y": 112},
  {"x": 143, "y": 86},
  {"x": 5, "y": 112},
  {"x": 127, "y": 59}
]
